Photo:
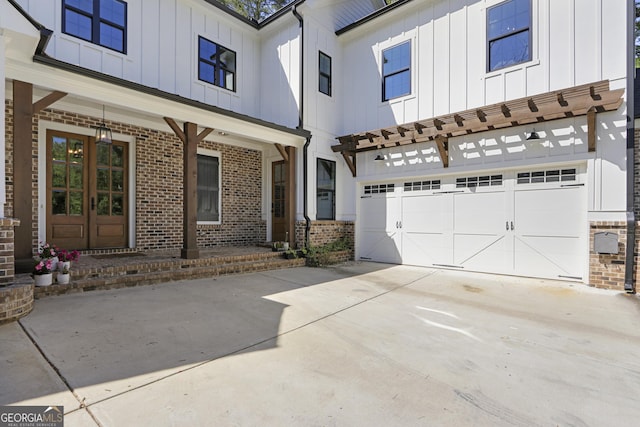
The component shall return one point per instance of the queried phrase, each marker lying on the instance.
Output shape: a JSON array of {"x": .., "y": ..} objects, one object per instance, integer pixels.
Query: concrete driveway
[{"x": 357, "y": 345}]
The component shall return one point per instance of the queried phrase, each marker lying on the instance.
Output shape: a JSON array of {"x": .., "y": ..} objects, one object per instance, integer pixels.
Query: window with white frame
[
  {"x": 102, "y": 22},
  {"x": 208, "y": 188},
  {"x": 508, "y": 34},
  {"x": 216, "y": 64},
  {"x": 396, "y": 71}
]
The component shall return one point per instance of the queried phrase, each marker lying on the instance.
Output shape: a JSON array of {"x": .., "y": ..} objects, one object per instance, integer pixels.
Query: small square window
[{"x": 216, "y": 64}]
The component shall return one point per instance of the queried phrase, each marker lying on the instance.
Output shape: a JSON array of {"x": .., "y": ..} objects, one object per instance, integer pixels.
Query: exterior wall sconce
[
  {"x": 379, "y": 158},
  {"x": 533, "y": 135},
  {"x": 103, "y": 133}
]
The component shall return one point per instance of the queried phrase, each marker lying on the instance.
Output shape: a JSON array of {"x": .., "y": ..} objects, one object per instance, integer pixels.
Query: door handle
[
  {"x": 507, "y": 225},
  {"x": 511, "y": 225},
  {"x": 93, "y": 204}
]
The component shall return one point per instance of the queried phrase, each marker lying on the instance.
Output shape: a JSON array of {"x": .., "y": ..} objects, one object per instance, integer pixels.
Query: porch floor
[{"x": 111, "y": 269}]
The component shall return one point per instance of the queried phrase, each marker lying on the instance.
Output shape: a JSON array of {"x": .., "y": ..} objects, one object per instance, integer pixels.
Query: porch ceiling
[{"x": 581, "y": 100}]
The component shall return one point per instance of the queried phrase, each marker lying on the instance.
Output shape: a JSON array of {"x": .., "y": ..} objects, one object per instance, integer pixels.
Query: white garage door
[{"x": 530, "y": 223}]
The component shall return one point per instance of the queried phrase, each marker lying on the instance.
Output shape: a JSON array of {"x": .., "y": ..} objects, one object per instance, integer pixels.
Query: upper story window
[
  {"x": 103, "y": 22},
  {"x": 324, "y": 70},
  {"x": 508, "y": 34},
  {"x": 216, "y": 64},
  {"x": 396, "y": 71}
]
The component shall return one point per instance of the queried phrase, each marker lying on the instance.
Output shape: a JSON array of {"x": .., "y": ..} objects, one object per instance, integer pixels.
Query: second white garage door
[{"x": 529, "y": 223}]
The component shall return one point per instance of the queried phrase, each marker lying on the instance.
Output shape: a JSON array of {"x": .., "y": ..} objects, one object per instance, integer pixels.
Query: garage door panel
[
  {"x": 550, "y": 212},
  {"x": 378, "y": 213},
  {"x": 426, "y": 249},
  {"x": 550, "y": 257},
  {"x": 379, "y": 246},
  {"x": 480, "y": 252},
  {"x": 478, "y": 213},
  {"x": 425, "y": 214}
]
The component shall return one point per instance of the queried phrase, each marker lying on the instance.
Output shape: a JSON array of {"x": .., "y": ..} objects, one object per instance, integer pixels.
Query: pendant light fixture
[
  {"x": 103, "y": 133},
  {"x": 533, "y": 135}
]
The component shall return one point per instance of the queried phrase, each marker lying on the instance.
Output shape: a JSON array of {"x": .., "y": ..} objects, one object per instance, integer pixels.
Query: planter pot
[
  {"x": 43, "y": 279},
  {"x": 63, "y": 264},
  {"x": 63, "y": 279}
]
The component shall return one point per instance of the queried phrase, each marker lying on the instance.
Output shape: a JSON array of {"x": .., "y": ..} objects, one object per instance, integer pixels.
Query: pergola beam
[{"x": 556, "y": 105}]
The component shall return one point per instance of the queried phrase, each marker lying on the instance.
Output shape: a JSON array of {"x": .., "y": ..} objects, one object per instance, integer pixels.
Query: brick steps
[{"x": 149, "y": 273}]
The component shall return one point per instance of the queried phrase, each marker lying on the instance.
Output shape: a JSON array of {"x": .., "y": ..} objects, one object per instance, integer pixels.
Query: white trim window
[
  {"x": 396, "y": 71},
  {"x": 209, "y": 173},
  {"x": 508, "y": 34}
]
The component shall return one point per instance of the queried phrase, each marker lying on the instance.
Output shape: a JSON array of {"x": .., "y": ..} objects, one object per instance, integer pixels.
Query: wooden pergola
[{"x": 588, "y": 100}]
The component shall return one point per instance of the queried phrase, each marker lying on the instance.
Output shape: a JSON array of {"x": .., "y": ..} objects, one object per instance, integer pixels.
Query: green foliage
[
  {"x": 255, "y": 9},
  {"x": 320, "y": 255}
]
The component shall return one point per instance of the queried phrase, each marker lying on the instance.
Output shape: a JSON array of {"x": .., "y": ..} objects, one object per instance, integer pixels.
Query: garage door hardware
[
  {"x": 449, "y": 192},
  {"x": 507, "y": 225},
  {"x": 448, "y": 266},
  {"x": 572, "y": 185}
]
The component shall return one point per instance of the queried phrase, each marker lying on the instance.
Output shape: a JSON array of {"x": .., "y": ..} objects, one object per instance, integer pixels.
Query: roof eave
[{"x": 372, "y": 16}]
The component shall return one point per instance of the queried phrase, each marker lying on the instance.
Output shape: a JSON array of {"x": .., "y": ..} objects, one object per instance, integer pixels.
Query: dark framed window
[
  {"x": 208, "y": 188},
  {"x": 396, "y": 71},
  {"x": 324, "y": 71},
  {"x": 326, "y": 189},
  {"x": 102, "y": 22},
  {"x": 508, "y": 34},
  {"x": 216, "y": 64}
]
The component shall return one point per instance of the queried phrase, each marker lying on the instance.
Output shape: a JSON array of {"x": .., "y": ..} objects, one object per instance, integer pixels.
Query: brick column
[{"x": 7, "y": 258}]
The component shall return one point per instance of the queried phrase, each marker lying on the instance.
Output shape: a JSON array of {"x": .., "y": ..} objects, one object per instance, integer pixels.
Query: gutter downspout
[
  {"x": 629, "y": 285},
  {"x": 305, "y": 150}
]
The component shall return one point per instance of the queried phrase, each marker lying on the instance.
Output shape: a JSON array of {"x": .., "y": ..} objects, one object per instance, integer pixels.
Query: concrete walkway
[{"x": 357, "y": 345}]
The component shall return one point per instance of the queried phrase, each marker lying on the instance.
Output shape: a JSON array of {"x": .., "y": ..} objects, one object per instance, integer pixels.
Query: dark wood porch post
[
  {"x": 23, "y": 205},
  {"x": 291, "y": 193},
  {"x": 22, "y": 168},
  {"x": 190, "y": 192},
  {"x": 190, "y": 139}
]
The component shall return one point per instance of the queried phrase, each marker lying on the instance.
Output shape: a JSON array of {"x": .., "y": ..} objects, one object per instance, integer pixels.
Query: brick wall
[
  {"x": 8, "y": 129},
  {"x": 7, "y": 260},
  {"x": 158, "y": 189},
  {"x": 607, "y": 271},
  {"x": 323, "y": 232},
  {"x": 16, "y": 301}
]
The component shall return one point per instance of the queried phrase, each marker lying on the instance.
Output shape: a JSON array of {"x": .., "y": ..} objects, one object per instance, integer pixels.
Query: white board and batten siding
[
  {"x": 573, "y": 43},
  {"x": 162, "y": 49}
]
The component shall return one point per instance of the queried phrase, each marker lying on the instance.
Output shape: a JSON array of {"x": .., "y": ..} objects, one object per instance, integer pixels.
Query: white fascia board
[{"x": 125, "y": 98}]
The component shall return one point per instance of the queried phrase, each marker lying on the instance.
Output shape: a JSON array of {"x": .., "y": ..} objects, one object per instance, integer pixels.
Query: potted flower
[
  {"x": 43, "y": 272},
  {"x": 65, "y": 257},
  {"x": 63, "y": 275},
  {"x": 48, "y": 251}
]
